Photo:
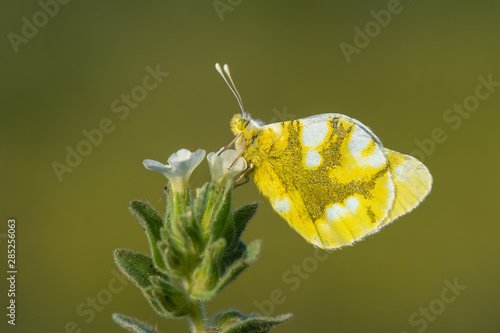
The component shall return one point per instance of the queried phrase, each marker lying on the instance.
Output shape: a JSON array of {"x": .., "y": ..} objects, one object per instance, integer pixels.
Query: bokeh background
[{"x": 287, "y": 61}]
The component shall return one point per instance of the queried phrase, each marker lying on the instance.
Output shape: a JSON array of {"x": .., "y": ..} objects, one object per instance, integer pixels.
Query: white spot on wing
[
  {"x": 313, "y": 159},
  {"x": 282, "y": 205},
  {"x": 352, "y": 204},
  {"x": 314, "y": 133},
  {"x": 400, "y": 171},
  {"x": 376, "y": 159},
  {"x": 336, "y": 212},
  {"x": 360, "y": 140},
  {"x": 276, "y": 128}
]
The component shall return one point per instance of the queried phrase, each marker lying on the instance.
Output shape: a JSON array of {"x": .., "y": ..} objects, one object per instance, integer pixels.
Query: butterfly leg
[
  {"x": 239, "y": 154},
  {"x": 230, "y": 144},
  {"x": 245, "y": 176}
]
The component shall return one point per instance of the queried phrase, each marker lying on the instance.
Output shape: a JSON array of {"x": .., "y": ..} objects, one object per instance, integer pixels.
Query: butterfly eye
[
  {"x": 238, "y": 124},
  {"x": 242, "y": 124}
]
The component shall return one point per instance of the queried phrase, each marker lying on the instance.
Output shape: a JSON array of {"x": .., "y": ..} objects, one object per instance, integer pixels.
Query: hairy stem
[{"x": 197, "y": 316}]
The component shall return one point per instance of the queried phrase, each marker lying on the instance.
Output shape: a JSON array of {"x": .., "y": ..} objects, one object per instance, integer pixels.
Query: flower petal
[
  {"x": 197, "y": 157},
  {"x": 179, "y": 168},
  {"x": 229, "y": 156},
  {"x": 156, "y": 166},
  {"x": 225, "y": 166},
  {"x": 182, "y": 155}
]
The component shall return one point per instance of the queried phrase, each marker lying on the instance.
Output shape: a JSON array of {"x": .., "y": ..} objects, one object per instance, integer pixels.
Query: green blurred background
[{"x": 287, "y": 62}]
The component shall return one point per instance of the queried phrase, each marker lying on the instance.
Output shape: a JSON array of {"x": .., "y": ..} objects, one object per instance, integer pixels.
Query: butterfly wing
[
  {"x": 412, "y": 183},
  {"x": 328, "y": 176}
]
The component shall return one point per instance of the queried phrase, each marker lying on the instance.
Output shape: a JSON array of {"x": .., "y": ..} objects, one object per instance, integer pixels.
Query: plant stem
[{"x": 197, "y": 317}]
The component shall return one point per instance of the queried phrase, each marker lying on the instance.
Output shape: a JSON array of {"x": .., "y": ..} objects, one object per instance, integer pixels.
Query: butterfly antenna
[{"x": 231, "y": 86}]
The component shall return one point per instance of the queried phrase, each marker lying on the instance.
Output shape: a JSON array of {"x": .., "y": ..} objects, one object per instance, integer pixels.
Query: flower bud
[{"x": 226, "y": 166}]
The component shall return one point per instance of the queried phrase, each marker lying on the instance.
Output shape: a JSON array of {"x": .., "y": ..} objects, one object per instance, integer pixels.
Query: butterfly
[{"x": 328, "y": 175}]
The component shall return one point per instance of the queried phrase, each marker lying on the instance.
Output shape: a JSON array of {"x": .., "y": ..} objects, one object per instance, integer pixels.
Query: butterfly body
[{"x": 330, "y": 177}]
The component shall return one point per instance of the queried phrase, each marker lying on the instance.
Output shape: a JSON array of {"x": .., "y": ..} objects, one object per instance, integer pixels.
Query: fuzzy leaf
[
  {"x": 201, "y": 200},
  {"x": 208, "y": 272},
  {"x": 227, "y": 319},
  {"x": 257, "y": 324},
  {"x": 132, "y": 324},
  {"x": 157, "y": 306},
  {"x": 190, "y": 234},
  {"x": 166, "y": 286},
  {"x": 234, "y": 253},
  {"x": 241, "y": 218},
  {"x": 173, "y": 260},
  {"x": 151, "y": 222},
  {"x": 169, "y": 295},
  {"x": 137, "y": 267},
  {"x": 206, "y": 207},
  {"x": 233, "y": 271},
  {"x": 221, "y": 224},
  {"x": 163, "y": 304},
  {"x": 173, "y": 253}
]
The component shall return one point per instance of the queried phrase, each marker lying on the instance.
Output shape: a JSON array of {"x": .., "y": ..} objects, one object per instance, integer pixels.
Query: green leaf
[
  {"x": 179, "y": 203},
  {"x": 206, "y": 208},
  {"x": 172, "y": 259},
  {"x": 227, "y": 319},
  {"x": 137, "y": 267},
  {"x": 253, "y": 250},
  {"x": 237, "y": 248},
  {"x": 233, "y": 271},
  {"x": 208, "y": 272},
  {"x": 221, "y": 224},
  {"x": 166, "y": 287},
  {"x": 163, "y": 304},
  {"x": 190, "y": 233},
  {"x": 151, "y": 223},
  {"x": 234, "y": 253},
  {"x": 132, "y": 324},
  {"x": 257, "y": 324},
  {"x": 200, "y": 201},
  {"x": 157, "y": 306},
  {"x": 241, "y": 218},
  {"x": 169, "y": 296},
  {"x": 177, "y": 259}
]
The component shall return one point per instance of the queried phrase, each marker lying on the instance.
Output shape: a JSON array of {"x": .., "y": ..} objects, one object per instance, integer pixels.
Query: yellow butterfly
[{"x": 328, "y": 175}]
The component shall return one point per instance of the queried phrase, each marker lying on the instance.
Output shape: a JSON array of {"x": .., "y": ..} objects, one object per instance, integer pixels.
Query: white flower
[
  {"x": 179, "y": 168},
  {"x": 220, "y": 166}
]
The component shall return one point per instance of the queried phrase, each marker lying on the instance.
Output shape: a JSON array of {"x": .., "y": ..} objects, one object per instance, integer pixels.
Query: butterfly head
[
  {"x": 245, "y": 125},
  {"x": 242, "y": 125},
  {"x": 238, "y": 124}
]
